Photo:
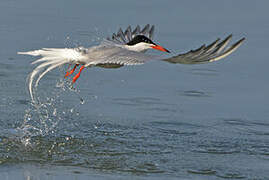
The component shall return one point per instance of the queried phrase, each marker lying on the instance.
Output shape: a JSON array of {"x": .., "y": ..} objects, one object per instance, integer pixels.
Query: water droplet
[
  {"x": 26, "y": 141},
  {"x": 82, "y": 101},
  {"x": 55, "y": 112}
]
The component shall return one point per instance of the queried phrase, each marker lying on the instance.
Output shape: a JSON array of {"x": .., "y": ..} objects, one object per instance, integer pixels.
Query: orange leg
[
  {"x": 72, "y": 71},
  {"x": 67, "y": 72},
  {"x": 78, "y": 74}
]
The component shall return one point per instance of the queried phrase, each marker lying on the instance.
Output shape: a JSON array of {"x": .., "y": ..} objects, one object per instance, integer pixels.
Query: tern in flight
[{"x": 123, "y": 48}]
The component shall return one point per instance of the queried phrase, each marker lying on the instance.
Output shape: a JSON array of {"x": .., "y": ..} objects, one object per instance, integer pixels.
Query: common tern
[{"x": 123, "y": 48}]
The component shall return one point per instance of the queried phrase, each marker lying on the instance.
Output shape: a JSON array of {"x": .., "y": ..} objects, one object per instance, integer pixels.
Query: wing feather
[
  {"x": 115, "y": 38},
  {"x": 121, "y": 35},
  {"x": 136, "y": 31},
  {"x": 229, "y": 50},
  {"x": 213, "y": 52},
  {"x": 117, "y": 54},
  {"x": 151, "y": 32},
  {"x": 223, "y": 44},
  {"x": 145, "y": 30},
  {"x": 126, "y": 36},
  {"x": 212, "y": 45}
]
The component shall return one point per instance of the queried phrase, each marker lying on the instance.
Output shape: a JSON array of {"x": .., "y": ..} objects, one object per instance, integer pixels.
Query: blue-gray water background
[{"x": 156, "y": 121}]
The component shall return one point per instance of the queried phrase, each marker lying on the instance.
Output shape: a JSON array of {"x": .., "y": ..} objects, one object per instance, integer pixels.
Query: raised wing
[
  {"x": 213, "y": 52},
  {"x": 123, "y": 37}
]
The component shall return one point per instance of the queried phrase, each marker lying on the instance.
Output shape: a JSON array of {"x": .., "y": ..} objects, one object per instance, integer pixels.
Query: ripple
[
  {"x": 3, "y": 75},
  {"x": 202, "y": 171},
  {"x": 145, "y": 168},
  {"x": 111, "y": 150},
  {"x": 175, "y": 123},
  {"x": 219, "y": 173},
  {"x": 261, "y": 124},
  {"x": 22, "y": 102},
  {"x": 194, "y": 93},
  {"x": 216, "y": 151},
  {"x": 236, "y": 122},
  {"x": 161, "y": 109},
  {"x": 259, "y": 132},
  {"x": 204, "y": 72},
  {"x": 218, "y": 147},
  {"x": 6, "y": 66},
  {"x": 231, "y": 176},
  {"x": 247, "y": 126},
  {"x": 259, "y": 150},
  {"x": 138, "y": 101},
  {"x": 177, "y": 132},
  {"x": 175, "y": 128}
]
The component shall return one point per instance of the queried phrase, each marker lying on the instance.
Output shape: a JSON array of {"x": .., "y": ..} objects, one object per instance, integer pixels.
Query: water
[{"x": 156, "y": 121}]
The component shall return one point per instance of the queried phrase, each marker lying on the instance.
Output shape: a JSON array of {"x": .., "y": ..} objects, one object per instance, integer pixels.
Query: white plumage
[{"x": 122, "y": 49}]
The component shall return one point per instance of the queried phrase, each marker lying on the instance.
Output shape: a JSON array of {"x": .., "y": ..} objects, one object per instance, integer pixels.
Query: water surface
[{"x": 156, "y": 121}]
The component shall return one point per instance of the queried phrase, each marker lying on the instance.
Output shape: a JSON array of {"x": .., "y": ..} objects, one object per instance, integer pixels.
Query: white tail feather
[{"x": 51, "y": 58}]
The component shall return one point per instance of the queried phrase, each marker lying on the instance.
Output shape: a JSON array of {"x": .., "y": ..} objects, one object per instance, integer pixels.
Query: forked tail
[{"x": 50, "y": 59}]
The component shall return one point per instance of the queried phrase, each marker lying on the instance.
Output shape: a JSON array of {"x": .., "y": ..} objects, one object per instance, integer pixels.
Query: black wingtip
[
  {"x": 243, "y": 39},
  {"x": 239, "y": 42}
]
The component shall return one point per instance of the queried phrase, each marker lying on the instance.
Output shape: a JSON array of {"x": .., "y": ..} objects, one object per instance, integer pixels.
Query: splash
[{"x": 47, "y": 115}]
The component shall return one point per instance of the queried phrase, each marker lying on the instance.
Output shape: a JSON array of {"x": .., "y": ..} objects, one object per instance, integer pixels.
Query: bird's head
[{"x": 141, "y": 43}]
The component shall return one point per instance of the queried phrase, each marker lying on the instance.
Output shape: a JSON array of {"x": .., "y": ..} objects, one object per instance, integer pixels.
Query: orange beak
[{"x": 160, "y": 48}]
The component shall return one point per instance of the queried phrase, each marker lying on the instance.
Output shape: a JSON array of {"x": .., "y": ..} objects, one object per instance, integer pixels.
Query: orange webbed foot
[
  {"x": 68, "y": 73},
  {"x": 78, "y": 74}
]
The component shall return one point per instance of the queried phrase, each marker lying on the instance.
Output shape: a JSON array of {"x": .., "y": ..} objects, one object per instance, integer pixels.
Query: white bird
[{"x": 123, "y": 48}]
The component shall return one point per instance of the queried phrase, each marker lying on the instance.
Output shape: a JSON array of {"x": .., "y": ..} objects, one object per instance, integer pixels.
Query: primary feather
[
  {"x": 128, "y": 35},
  {"x": 213, "y": 52}
]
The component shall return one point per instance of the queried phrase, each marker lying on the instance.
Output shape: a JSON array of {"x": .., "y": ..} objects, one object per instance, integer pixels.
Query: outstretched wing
[
  {"x": 126, "y": 36},
  {"x": 213, "y": 52},
  {"x": 116, "y": 55}
]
